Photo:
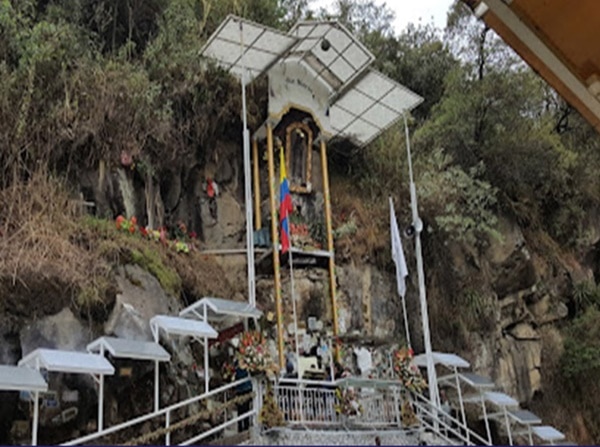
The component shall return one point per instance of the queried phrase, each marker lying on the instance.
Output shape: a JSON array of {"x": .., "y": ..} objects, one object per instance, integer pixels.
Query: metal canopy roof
[
  {"x": 361, "y": 103},
  {"x": 500, "y": 399},
  {"x": 181, "y": 326},
  {"x": 130, "y": 349},
  {"x": 337, "y": 64},
  {"x": 548, "y": 433},
  {"x": 524, "y": 417},
  {"x": 67, "y": 362},
  {"x": 370, "y": 107},
  {"x": 220, "y": 308},
  {"x": 444, "y": 359},
  {"x": 16, "y": 378},
  {"x": 476, "y": 381},
  {"x": 239, "y": 44}
]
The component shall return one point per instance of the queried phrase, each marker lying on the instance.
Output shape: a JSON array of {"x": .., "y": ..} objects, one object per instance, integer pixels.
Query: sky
[{"x": 409, "y": 11}]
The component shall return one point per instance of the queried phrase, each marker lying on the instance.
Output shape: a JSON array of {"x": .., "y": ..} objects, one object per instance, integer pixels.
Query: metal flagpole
[
  {"x": 418, "y": 226},
  {"x": 247, "y": 183},
  {"x": 300, "y": 388}
]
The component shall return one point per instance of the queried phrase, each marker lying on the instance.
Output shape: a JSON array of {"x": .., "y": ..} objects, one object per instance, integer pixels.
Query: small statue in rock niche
[{"x": 212, "y": 192}]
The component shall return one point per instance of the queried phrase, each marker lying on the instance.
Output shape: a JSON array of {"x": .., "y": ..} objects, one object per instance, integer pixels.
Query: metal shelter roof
[
  {"x": 442, "y": 358},
  {"x": 331, "y": 51},
  {"x": 220, "y": 308},
  {"x": 240, "y": 44},
  {"x": 17, "y": 378},
  {"x": 500, "y": 399},
  {"x": 547, "y": 433},
  {"x": 370, "y": 107},
  {"x": 130, "y": 349},
  {"x": 477, "y": 381},
  {"x": 359, "y": 103},
  {"x": 67, "y": 362},
  {"x": 181, "y": 326},
  {"x": 524, "y": 417}
]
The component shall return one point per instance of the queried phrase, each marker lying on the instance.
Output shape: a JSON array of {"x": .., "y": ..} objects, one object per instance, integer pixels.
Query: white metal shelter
[
  {"x": 183, "y": 327},
  {"x": 16, "y": 378},
  {"x": 526, "y": 418},
  {"x": 548, "y": 434},
  {"x": 128, "y": 349},
  {"x": 54, "y": 360},
  {"x": 504, "y": 402},
  {"x": 217, "y": 309},
  {"x": 453, "y": 363}
]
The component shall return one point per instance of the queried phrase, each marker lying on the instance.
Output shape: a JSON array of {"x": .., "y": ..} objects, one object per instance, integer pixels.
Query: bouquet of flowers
[
  {"x": 407, "y": 371},
  {"x": 347, "y": 402},
  {"x": 253, "y": 353}
]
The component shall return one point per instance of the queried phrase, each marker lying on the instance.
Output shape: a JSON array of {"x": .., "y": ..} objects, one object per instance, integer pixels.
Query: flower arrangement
[
  {"x": 253, "y": 353},
  {"x": 160, "y": 235},
  {"x": 407, "y": 371},
  {"x": 228, "y": 372},
  {"x": 347, "y": 402}
]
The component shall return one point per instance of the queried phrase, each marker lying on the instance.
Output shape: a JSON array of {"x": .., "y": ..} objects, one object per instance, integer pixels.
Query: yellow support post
[
  {"x": 257, "y": 216},
  {"x": 275, "y": 242},
  {"x": 328, "y": 224}
]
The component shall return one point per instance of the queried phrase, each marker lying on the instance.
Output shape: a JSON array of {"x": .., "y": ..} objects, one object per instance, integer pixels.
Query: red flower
[
  {"x": 193, "y": 234},
  {"x": 133, "y": 220},
  {"x": 120, "y": 220},
  {"x": 132, "y": 229},
  {"x": 144, "y": 231}
]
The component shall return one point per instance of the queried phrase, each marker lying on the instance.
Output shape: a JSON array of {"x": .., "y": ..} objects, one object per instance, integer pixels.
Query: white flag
[{"x": 398, "y": 252}]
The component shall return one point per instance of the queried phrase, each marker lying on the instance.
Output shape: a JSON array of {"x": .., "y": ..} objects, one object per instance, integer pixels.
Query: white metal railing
[
  {"x": 167, "y": 415},
  {"x": 449, "y": 429},
  {"x": 300, "y": 405},
  {"x": 380, "y": 407}
]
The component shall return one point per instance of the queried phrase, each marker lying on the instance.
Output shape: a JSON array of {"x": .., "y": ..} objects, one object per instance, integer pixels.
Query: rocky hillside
[{"x": 106, "y": 111}]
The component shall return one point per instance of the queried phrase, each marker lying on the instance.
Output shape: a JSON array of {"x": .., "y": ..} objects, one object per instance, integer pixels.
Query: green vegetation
[{"x": 150, "y": 261}]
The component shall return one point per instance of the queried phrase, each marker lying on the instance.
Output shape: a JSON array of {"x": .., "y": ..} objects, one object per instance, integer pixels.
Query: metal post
[
  {"x": 506, "y": 421},
  {"x": 206, "y": 383},
  {"x": 461, "y": 403},
  {"x": 101, "y": 395},
  {"x": 167, "y": 426},
  {"x": 255, "y": 160},
  {"x": 485, "y": 418},
  {"x": 206, "y": 379},
  {"x": 418, "y": 224},
  {"x": 36, "y": 418},
  {"x": 328, "y": 224},
  {"x": 247, "y": 182},
  {"x": 101, "y": 403},
  {"x": 156, "y": 386}
]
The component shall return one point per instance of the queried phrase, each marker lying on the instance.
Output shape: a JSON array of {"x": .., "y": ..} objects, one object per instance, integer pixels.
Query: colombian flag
[{"x": 285, "y": 205}]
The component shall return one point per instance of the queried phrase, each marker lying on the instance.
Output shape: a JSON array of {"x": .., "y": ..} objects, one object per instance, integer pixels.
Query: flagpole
[
  {"x": 247, "y": 183},
  {"x": 418, "y": 226}
]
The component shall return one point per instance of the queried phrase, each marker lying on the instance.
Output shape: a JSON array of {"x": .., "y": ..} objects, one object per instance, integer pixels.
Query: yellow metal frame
[
  {"x": 275, "y": 240},
  {"x": 275, "y": 227},
  {"x": 328, "y": 225},
  {"x": 257, "y": 215}
]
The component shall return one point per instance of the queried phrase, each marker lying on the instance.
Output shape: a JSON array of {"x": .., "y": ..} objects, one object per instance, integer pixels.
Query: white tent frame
[
  {"x": 216, "y": 309},
  {"x": 73, "y": 362},
  {"x": 453, "y": 363},
  {"x": 124, "y": 348},
  {"x": 17, "y": 378},
  {"x": 184, "y": 327}
]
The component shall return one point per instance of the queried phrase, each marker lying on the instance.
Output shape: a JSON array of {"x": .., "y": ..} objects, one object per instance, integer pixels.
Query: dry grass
[
  {"x": 54, "y": 256},
  {"x": 36, "y": 221},
  {"x": 372, "y": 223}
]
